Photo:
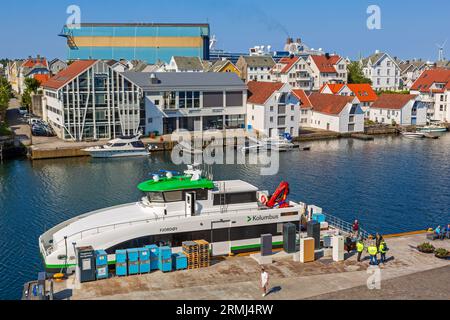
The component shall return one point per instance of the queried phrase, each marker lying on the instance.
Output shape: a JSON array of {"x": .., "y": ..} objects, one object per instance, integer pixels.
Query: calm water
[{"x": 391, "y": 184}]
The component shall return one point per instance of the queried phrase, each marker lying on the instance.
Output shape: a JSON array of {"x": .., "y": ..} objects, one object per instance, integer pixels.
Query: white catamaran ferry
[{"x": 231, "y": 215}]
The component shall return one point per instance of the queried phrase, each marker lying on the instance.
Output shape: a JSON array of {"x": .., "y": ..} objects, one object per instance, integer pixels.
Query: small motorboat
[
  {"x": 120, "y": 147},
  {"x": 433, "y": 128},
  {"x": 187, "y": 147},
  {"x": 413, "y": 135}
]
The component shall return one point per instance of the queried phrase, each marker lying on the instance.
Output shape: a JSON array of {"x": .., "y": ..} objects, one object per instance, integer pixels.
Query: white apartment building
[
  {"x": 327, "y": 69},
  {"x": 272, "y": 108},
  {"x": 182, "y": 100},
  {"x": 89, "y": 100},
  {"x": 305, "y": 107},
  {"x": 401, "y": 109},
  {"x": 255, "y": 68},
  {"x": 336, "y": 113},
  {"x": 295, "y": 71},
  {"x": 433, "y": 88},
  {"x": 411, "y": 71},
  {"x": 382, "y": 70}
]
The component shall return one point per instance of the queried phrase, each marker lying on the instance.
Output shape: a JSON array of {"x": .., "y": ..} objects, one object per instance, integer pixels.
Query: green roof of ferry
[{"x": 175, "y": 183}]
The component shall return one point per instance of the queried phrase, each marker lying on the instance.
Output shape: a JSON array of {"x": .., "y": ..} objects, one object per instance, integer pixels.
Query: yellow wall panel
[{"x": 138, "y": 42}]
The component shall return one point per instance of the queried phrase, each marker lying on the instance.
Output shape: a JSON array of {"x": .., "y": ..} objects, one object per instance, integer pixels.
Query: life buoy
[{"x": 263, "y": 199}]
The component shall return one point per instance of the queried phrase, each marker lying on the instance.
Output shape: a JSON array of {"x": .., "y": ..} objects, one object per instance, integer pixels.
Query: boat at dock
[
  {"x": 278, "y": 143},
  {"x": 433, "y": 128},
  {"x": 231, "y": 215},
  {"x": 413, "y": 135},
  {"x": 121, "y": 147}
]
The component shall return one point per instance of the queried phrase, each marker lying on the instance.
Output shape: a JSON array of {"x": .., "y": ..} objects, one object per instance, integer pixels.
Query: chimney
[
  {"x": 288, "y": 41},
  {"x": 327, "y": 55},
  {"x": 153, "y": 79},
  {"x": 299, "y": 40}
]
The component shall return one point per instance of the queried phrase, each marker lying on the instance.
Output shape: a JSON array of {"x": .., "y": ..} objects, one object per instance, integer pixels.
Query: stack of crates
[
  {"x": 154, "y": 256},
  {"x": 165, "y": 259},
  {"x": 203, "y": 253},
  {"x": 121, "y": 262},
  {"x": 101, "y": 264},
  {"x": 179, "y": 261},
  {"x": 190, "y": 249},
  {"x": 133, "y": 261},
  {"x": 144, "y": 260}
]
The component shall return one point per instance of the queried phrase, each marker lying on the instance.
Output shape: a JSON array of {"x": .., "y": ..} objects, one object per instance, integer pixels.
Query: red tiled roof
[
  {"x": 329, "y": 103},
  {"x": 326, "y": 65},
  {"x": 428, "y": 77},
  {"x": 259, "y": 92},
  {"x": 41, "y": 77},
  {"x": 68, "y": 74},
  {"x": 363, "y": 91},
  {"x": 392, "y": 101},
  {"x": 334, "y": 87},
  {"x": 304, "y": 100},
  {"x": 289, "y": 63},
  {"x": 30, "y": 63}
]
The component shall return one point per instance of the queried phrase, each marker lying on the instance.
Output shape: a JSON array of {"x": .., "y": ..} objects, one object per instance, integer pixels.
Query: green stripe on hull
[{"x": 254, "y": 246}]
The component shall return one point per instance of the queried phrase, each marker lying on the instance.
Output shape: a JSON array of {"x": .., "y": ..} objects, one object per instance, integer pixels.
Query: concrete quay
[{"x": 238, "y": 278}]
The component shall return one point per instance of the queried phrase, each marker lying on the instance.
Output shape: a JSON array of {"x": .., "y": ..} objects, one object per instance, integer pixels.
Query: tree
[
  {"x": 355, "y": 74},
  {"x": 31, "y": 86},
  {"x": 5, "y": 95}
]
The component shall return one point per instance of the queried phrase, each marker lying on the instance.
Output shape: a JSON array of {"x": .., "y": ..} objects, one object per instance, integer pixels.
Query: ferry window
[
  {"x": 138, "y": 144},
  {"x": 173, "y": 196},
  {"x": 201, "y": 194},
  {"x": 119, "y": 144},
  {"x": 155, "y": 197},
  {"x": 235, "y": 198}
]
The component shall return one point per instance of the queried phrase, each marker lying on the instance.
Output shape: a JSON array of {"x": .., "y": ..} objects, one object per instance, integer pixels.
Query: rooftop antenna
[{"x": 441, "y": 50}]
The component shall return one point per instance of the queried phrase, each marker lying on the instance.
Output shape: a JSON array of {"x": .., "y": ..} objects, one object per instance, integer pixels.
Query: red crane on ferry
[{"x": 278, "y": 198}]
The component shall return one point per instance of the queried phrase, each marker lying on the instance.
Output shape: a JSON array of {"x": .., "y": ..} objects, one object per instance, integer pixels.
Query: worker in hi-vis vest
[
  {"x": 382, "y": 250},
  {"x": 359, "y": 248},
  {"x": 372, "y": 250}
]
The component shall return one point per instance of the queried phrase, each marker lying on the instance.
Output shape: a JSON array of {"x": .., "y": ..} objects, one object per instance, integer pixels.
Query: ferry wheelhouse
[{"x": 231, "y": 215}]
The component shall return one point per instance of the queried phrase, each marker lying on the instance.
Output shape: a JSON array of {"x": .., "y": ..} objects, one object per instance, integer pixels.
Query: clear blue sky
[{"x": 410, "y": 29}]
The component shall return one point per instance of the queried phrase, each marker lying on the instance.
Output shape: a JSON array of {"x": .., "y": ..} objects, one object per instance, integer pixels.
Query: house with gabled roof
[
  {"x": 382, "y": 70},
  {"x": 185, "y": 64},
  {"x": 400, "y": 109},
  {"x": 294, "y": 70},
  {"x": 363, "y": 91},
  {"x": 336, "y": 113},
  {"x": 433, "y": 88},
  {"x": 410, "y": 71},
  {"x": 272, "y": 108},
  {"x": 327, "y": 68},
  {"x": 255, "y": 68},
  {"x": 224, "y": 65}
]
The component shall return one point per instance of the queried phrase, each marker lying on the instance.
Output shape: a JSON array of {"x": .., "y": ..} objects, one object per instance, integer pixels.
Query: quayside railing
[{"x": 343, "y": 225}]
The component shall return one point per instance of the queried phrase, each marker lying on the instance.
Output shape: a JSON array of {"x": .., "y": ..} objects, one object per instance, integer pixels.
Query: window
[
  {"x": 150, "y": 120},
  {"x": 212, "y": 99},
  {"x": 271, "y": 108},
  {"x": 271, "y": 119},
  {"x": 234, "y": 98},
  {"x": 292, "y": 118},
  {"x": 156, "y": 102},
  {"x": 189, "y": 99},
  {"x": 236, "y": 198}
]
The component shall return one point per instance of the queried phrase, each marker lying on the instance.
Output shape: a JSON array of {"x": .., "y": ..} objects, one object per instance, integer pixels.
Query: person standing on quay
[
  {"x": 359, "y": 248},
  {"x": 355, "y": 228},
  {"x": 264, "y": 281},
  {"x": 373, "y": 251}
]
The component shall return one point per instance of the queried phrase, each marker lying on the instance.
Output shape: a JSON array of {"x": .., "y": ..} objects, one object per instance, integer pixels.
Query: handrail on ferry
[
  {"x": 114, "y": 225},
  {"x": 345, "y": 226}
]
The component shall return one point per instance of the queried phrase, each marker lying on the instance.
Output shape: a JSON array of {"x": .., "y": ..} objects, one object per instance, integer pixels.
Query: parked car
[
  {"x": 41, "y": 128},
  {"x": 23, "y": 111},
  {"x": 34, "y": 120}
]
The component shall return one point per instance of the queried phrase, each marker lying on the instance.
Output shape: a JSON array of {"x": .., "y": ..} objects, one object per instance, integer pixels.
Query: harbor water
[{"x": 391, "y": 184}]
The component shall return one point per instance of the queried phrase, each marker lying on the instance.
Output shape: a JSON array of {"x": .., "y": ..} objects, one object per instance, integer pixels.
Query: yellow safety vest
[
  {"x": 372, "y": 250},
  {"x": 359, "y": 246},
  {"x": 382, "y": 248}
]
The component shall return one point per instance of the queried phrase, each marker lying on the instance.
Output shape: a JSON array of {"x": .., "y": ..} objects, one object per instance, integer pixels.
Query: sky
[{"x": 409, "y": 29}]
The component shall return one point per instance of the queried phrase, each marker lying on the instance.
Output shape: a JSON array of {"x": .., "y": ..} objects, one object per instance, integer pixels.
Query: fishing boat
[
  {"x": 413, "y": 135},
  {"x": 120, "y": 147},
  {"x": 175, "y": 207},
  {"x": 433, "y": 128}
]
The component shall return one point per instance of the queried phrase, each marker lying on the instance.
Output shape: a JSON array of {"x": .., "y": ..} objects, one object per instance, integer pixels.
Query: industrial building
[{"x": 148, "y": 42}]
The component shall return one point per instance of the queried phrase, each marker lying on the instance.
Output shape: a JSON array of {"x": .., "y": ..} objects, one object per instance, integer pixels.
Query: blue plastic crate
[
  {"x": 179, "y": 261},
  {"x": 154, "y": 256},
  {"x": 165, "y": 259},
  {"x": 319, "y": 217},
  {"x": 144, "y": 260},
  {"x": 121, "y": 263},
  {"x": 133, "y": 261}
]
